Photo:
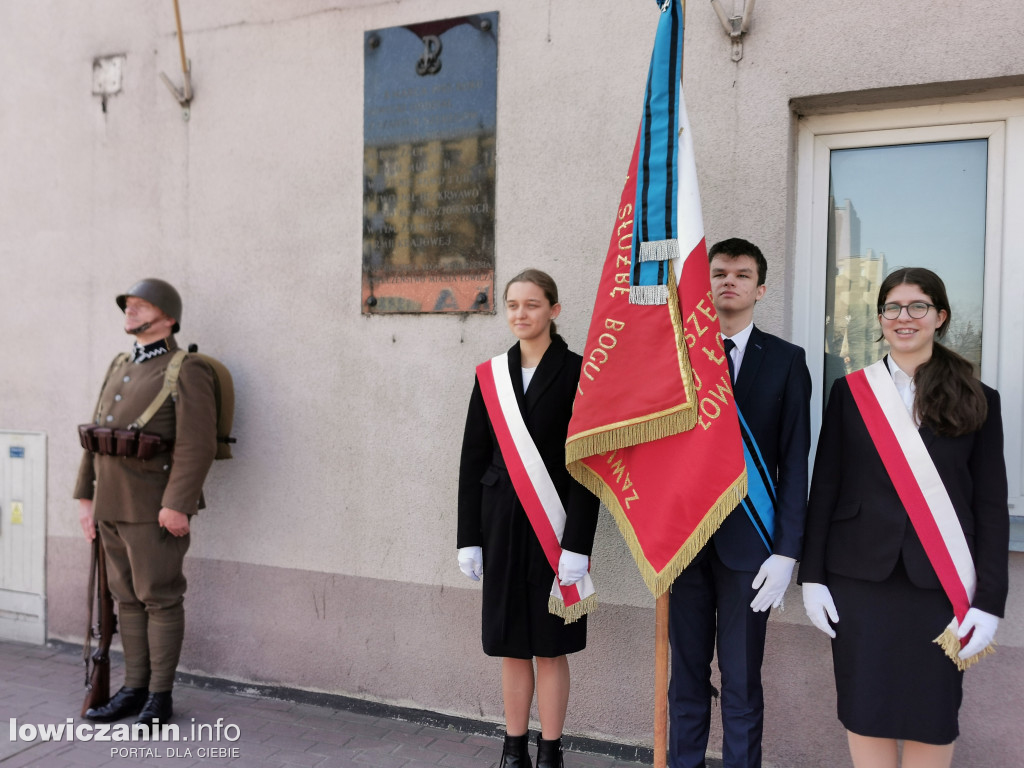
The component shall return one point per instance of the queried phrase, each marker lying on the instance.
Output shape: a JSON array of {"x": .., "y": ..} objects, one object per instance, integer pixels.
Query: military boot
[
  {"x": 125, "y": 703},
  {"x": 158, "y": 711}
]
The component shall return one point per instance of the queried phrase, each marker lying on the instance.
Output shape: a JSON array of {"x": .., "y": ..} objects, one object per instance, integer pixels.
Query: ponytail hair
[
  {"x": 542, "y": 280},
  {"x": 949, "y": 399}
]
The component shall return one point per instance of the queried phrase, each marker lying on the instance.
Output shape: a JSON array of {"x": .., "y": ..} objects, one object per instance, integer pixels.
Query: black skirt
[
  {"x": 892, "y": 681},
  {"x": 517, "y": 581}
]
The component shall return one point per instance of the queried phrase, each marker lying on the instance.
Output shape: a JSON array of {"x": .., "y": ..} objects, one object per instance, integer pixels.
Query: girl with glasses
[{"x": 905, "y": 550}]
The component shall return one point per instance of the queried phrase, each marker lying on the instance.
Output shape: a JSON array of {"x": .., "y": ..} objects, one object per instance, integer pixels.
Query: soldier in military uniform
[{"x": 142, "y": 508}]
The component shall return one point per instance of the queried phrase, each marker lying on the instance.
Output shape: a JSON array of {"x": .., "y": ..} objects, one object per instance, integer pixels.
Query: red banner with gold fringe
[{"x": 654, "y": 431}]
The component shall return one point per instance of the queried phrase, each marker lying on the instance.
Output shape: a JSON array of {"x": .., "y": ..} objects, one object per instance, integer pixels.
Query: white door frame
[{"x": 1002, "y": 124}]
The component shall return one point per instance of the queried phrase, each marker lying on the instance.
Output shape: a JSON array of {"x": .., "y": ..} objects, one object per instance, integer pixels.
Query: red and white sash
[
  {"x": 917, "y": 482},
  {"x": 533, "y": 484}
]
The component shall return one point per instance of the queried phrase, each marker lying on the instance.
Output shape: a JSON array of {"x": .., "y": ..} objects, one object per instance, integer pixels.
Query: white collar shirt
[
  {"x": 905, "y": 386},
  {"x": 740, "y": 340}
]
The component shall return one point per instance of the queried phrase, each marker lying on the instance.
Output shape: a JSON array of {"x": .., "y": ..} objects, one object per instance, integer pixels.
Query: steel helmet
[{"x": 160, "y": 294}]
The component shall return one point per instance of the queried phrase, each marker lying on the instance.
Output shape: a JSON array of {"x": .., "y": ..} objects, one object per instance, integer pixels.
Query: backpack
[{"x": 223, "y": 392}]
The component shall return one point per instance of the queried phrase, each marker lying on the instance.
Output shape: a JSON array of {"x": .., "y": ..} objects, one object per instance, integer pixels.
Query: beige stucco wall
[{"x": 326, "y": 559}]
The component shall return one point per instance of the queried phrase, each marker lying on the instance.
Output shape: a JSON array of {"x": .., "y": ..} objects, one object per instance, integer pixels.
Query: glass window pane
[{"x": 910, "y": 205}]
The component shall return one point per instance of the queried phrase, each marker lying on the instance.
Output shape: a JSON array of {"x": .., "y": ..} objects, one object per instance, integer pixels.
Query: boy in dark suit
[{"x": 743, "y": 572}]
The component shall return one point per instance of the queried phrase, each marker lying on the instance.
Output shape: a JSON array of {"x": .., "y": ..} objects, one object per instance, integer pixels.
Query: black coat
[
  {"x": 490, "y": 514},
  {"x": 857, "y": 527}
]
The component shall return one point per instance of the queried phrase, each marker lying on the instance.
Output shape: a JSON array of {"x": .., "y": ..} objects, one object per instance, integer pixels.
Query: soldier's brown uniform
[{"x": 144, "y": 561}]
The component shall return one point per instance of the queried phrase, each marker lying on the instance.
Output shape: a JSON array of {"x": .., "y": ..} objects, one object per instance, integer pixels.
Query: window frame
[{"x": 1001, "y": 123}]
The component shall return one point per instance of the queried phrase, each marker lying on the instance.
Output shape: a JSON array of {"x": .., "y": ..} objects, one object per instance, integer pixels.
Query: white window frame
[{"x": 1001, "y": 123}]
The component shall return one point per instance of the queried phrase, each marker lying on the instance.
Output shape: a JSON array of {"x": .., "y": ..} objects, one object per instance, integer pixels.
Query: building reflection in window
[
  {"x": 429, "y": 126},
  {"x": 900, "y": 206}
]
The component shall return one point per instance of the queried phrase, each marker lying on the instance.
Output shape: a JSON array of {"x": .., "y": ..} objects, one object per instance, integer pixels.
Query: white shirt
[
  {"x": 528, "y": 376},
  {"x": 740, "y": 340},
  {"x": 905, "y": 386}
]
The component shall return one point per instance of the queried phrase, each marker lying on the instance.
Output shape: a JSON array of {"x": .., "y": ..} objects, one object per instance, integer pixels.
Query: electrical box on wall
[
  {"x": 107, "y": 74},
  {"x": 23, "y": 536}
]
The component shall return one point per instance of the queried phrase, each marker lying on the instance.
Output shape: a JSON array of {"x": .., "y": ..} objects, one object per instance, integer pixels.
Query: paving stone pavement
[{"x": 43, "y": 685}]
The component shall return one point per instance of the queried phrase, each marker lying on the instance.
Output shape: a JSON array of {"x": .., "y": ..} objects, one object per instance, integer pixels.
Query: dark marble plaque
[{"x": 429, "y": 104}]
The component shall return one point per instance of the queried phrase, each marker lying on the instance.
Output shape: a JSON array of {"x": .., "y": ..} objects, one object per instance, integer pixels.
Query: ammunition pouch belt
[{"x": 130, "y": 443}]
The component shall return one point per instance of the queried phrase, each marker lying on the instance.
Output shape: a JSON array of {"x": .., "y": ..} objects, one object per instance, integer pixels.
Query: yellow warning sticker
[{"x": 16, "y": 516}]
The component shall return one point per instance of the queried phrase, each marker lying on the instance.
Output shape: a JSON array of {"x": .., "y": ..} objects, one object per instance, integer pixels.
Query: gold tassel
[
  {"x": 574, "y": 612},
  {"x": 950, "y": 645}
]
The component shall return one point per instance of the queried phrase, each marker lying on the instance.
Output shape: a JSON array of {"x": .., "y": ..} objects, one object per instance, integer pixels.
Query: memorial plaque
[{"x": 429, "y": 106}]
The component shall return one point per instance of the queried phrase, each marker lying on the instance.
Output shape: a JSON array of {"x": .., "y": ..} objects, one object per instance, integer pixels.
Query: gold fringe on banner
[
  {"x": 950, "y": 644},
  {"x": 623, "y": 434},
  {"x": 659, "y": 581},
  {"x": 574, "y": 612},
  {"x": 654, "y": 426},
  {"x": 682, "y": 353},
  {"x": 671, "y": 421}
]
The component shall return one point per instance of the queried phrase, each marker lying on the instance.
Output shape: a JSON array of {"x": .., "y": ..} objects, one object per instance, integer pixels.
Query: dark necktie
[{"x": 730, "y": 345}]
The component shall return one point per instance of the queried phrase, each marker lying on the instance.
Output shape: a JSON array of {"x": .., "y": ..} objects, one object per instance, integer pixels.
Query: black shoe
[
  {"x": 125, "y": 703},
  {"x": 158, "y": 710},
  {"x": 549, "y": 752},
  {"x": 516, "y": 753}
]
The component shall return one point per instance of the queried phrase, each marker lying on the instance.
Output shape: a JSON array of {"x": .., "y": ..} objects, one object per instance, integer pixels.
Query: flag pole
[
  {"x": 661, "y": 681},
  {"x": 662, "y": 607}
]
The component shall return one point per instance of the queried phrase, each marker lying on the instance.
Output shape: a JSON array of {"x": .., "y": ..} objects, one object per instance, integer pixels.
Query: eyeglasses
[{"x": 916, "y": 310}]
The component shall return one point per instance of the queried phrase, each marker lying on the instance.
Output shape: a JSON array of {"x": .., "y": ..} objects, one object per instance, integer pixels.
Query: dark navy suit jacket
[{"x": 773, "y": 392}]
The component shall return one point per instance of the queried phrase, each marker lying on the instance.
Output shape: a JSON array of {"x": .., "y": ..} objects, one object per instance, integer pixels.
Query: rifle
[{"x": 97, "y": 681}]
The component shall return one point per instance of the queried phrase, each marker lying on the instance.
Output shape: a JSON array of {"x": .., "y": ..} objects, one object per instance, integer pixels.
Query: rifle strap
[
  {"x": 87, "y": 647},
  {"x": 169, "y": 389}
]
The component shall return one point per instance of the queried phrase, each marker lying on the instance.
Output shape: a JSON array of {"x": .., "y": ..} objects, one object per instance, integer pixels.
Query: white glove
[
  {"x": 572, "y": 567},
  {"x": 984, "y": 626},
  {"x": 820, "y": 607},
  {"x": 771, "y": 582},
  {"x": 471, "y": 562}
]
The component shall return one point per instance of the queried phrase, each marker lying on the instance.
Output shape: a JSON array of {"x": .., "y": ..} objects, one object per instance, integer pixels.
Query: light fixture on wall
[
  {"x": 184, "y": 96},
  {"x": 735, "y": 26}
]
